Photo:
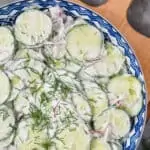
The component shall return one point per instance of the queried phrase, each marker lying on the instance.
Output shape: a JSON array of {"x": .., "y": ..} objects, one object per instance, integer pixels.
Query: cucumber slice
[
  {"x": 32, "y": 27},
  {"x": 36, "y": 65},
  {"x": 82, "y": 106},
  {"x": 17, "y": 82},
  {"x": 12, "y": 65},
  {"x": 110, "y": 64},
  {"x": 99, "y": 144},
  {"x": 114, "y": 122},
  {"x": 128, "y": 93},
  {"x": 97, "y": 98},
  {"x": 28, "y": 139},
  {"x": 84, "y": 42},
  {"x": 5, "y": 143},
  {"x": 28, "y": 76},
  {"x": 28, "y": 53},
  {"x": 4, "y": 87},
  {"x": 70, "y": 24},
  {"x": 73, "y": 138},
  {"x": 116, "y": 146},
  {"x": 7, "y": 45},
  {"x": 134, "y": 111},
  {"x": 63, "y": 114},
  {"x": 22, "y": 103},
  {"x": 7, "y": 122},
  {"x": 16, "y": 85}
]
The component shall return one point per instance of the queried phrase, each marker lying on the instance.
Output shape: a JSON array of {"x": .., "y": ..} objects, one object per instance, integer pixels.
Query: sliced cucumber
[
  {"x": 63, "y": 114},
  {"x": 28, "y": 76},
  {"x": 22, "y": 103},
  {"x": 99, "y": 144},
  {"x": 84, "y": 42},
  {"x": 15, "y": 64},
  {"x": 71, "y": 23},
  {"x": 7, "y": 122},
  {"x": 28, "y": 139},
  {"x": 82, "y": 106},
  {"x": 116, "y": 146},
  {"x": 110, "y": 64},
  {"x": 73, "y": 138},
  {"x": 114, "y": 121},
  {"x": 7, "y": 45},
  {"x": 28, "y": 53},
  {"x": 97, "y": 98},
  {"x": 32, "y": 27},
  {"x": 15, "y": 80},
  {"x": 16, "y": 85},
  {"x": 4, "y": 87},
  {"x": 128, "y": 93},
  {"x": 134, "y": 111},
  {"x": 36, "y": 65},
  {"x": 5, "y": 143},
  {"x": 22, "y": 132}
]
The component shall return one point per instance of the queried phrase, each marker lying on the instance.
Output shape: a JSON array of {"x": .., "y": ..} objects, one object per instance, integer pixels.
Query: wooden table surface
[{"x": 115, "y": 12}]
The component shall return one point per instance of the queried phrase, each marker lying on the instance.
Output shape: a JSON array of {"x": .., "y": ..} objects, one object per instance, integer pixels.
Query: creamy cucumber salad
[{"x": 63, "y": 86}]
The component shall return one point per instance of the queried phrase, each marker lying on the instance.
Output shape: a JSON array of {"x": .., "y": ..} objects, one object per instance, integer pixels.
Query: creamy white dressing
[{"x": 55, "y": 89}]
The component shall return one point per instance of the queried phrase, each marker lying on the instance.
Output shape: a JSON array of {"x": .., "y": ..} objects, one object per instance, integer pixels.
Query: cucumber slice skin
[
  {"x": 76, "y": 44},
  {"x": 82, "y": 106},
  {"x": 22, "y": 104},
  {"x": 7, "y": 44},
  {"x": 5, "y": 87},
  {"x": 27, "y": 138},
  {"x": 114, "y": 120},
  {"x": 73, "y": 137},
  {"x": 29, "y": 31},
  {"x": 99, "y": 144},
  {"x": 110, "y": 64},
  {"x": 129, "y": 93},
  {"x": 97, "y": 98}
]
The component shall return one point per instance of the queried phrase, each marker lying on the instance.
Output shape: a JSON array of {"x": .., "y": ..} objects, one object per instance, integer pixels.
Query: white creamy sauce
[{"x": 61, "y": 88}]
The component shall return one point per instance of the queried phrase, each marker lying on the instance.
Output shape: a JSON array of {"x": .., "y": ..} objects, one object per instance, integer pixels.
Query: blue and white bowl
[{"x": 8, "y": 15}]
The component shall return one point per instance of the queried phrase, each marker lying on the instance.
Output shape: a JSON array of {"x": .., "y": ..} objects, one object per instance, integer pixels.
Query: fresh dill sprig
[
  {"x": 46, "y": 144},
  {"x": 40, "y": 120},
  {"x": 64, "y": 88},
  {"x": 44, "y": 98}
]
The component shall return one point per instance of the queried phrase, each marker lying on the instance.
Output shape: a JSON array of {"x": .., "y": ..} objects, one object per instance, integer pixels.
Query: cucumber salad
[{"x": 63, "y": 86}]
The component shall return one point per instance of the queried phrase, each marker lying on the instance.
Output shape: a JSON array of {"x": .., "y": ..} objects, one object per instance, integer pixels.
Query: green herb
[
  {"x": 35, "y": 88},
  {"x": 46, "y": 144},
  {"x": 56, "y": 84},
  {"x": 1, "y": 67},
  {"x": 40, "y": 119},
  {"x": 65, "y": 90},
  {"x": 44, "y": 98}
]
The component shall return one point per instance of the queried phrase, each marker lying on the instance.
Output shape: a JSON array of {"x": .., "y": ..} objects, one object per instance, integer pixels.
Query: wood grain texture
[{"x": 115, "y": 12}]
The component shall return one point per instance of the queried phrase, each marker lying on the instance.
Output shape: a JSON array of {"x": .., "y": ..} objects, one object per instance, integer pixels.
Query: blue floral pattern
[{"x": 8, "y": 15}]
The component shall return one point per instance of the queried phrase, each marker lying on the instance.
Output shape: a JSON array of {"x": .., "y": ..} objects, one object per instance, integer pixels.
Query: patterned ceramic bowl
[{"x": 8, "y": 15}]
